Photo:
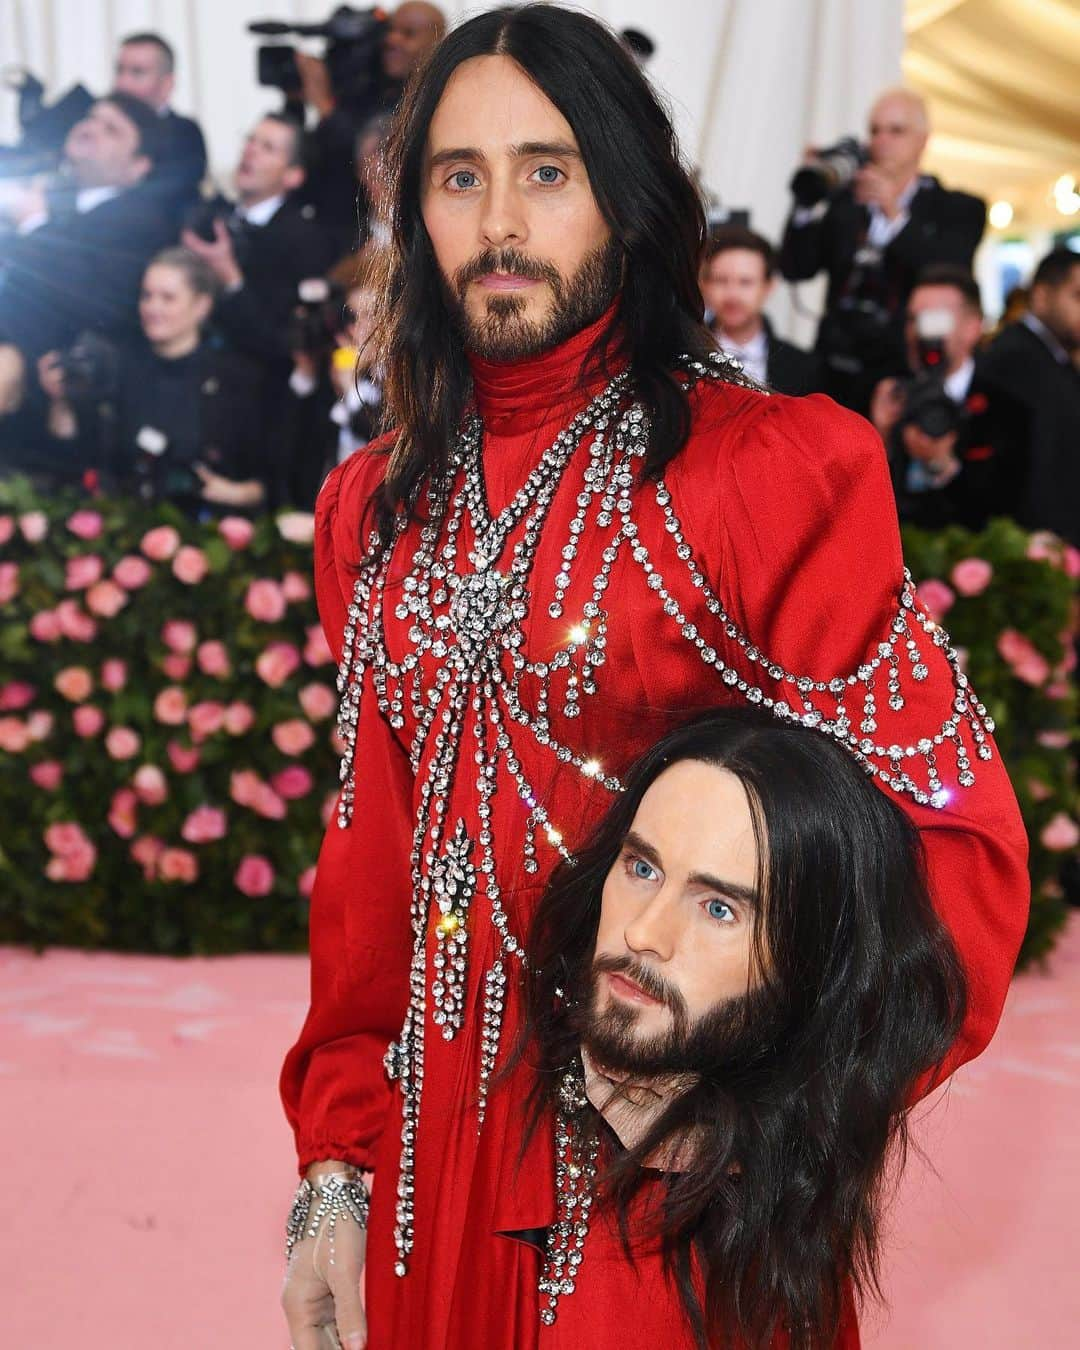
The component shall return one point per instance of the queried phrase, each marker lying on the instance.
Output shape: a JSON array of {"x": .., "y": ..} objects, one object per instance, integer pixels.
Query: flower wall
[{"x": 167, "y": 753}]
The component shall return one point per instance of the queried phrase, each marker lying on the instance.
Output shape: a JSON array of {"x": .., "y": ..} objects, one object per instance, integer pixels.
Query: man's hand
[
  {"x": 219, "y": 255},
  {"x": 23, "y": 200},
  {"x": 936, "y": 453},
  {"x": 874, "y": 188},
  {"x": 227, "y": 491},
  {"x": 315, "y": 86},
  {"x": 886, "y": 405},
  {"x": 12, "y": 378}
]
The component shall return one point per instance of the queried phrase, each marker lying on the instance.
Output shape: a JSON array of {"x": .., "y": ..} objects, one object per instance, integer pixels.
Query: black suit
[
  {"x": 861, "y": 334},
  {"x": 1021, "y": 362},
  {"x": 181, "y": 161},
  {"x": 789, "y": 369},
  {"x": 992, "y": 449},
  {"x": 80, "y": 271}
]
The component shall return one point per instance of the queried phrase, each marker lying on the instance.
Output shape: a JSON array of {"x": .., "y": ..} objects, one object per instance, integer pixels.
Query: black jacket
[
  {"x": 1020, "y": 362},
  {"x": 80, "y": 271},
  {"x": 993, "y": 452},
  {"x": 790, "y": 370},
  {"x": 274, "y": 258},
  {"x": 181, "y": 161}
]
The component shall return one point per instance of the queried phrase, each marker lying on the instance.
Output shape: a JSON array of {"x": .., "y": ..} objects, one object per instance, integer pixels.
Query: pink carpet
[{"x": 148, "y": 1167}]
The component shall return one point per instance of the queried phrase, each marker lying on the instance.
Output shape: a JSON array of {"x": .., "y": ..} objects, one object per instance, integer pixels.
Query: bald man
[{"x": 873, "y": 237}]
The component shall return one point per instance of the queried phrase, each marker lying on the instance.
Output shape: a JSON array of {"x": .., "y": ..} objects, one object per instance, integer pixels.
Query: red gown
[{"x": 787, "y": 508}]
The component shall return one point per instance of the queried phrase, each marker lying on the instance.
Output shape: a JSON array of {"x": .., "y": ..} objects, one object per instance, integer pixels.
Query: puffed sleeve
[
  {"x": 809, "y": 565},
  {"x": 333, "y": 1086}
]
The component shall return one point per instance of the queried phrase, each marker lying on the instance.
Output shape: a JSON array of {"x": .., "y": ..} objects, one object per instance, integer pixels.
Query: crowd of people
[{"x": 211, "y": 349}]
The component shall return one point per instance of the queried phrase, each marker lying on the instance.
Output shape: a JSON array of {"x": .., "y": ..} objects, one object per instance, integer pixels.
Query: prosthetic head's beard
[
  {"x": 734, "y": 1032},
  {"x": 503, "y": 333}
]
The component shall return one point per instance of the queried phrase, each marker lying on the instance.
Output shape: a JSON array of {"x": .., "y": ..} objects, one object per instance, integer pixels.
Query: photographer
[
  {"x": 1035, "y": 359},
  {"x": 955, "y": 438},
  {"x": 336, "y": 395},
  {"x": 74, "y": 260},
  {"x": 868, "y": 217},
  {"x": 168, "y": 418},
  {"x": 345, "y": 106},
  {"x": 145, "y": 69}
]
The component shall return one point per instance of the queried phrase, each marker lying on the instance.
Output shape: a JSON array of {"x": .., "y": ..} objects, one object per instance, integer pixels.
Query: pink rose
[
  {"x": 170, "y": 706},
  {"x": 113, "y": 674},
  {"x": 146, "y": 850},
  {"x": 239, "y": 718},
  {"x": 74, "y": 624},
  {"x": 292, "y": 782},
  {"x": 1043, "y": 546},
  {"x": 45, "y": 626},
  {"x": 15, "y": 695},
  {"x": 85, "y": 524},
  {"x": 83, "y": 571},
  {"x": 178, "y": 864},
  {"x": 65, "y": 837},
  {"x": 1025, "y": 661},
  {"x": 47, "y": 774},
  {"x": 40, "y": 724},
  {"x": 329, "y": 808},
  {"x": 34, "y": 526},
  {"x": 160, "y": 543},
  {"x": 305, "y": 883},
  {"x": 296, "y": 527},
  {"x": 150, "y": 784},
  {"x": 277, "y": 663},
  {"x": 203, "y": 825},
  {"x": 181, "y": 758},
  {"x": 971, "y": 576},
  {"x": 78, "y": 865},
  {"x": 317, "y": 651},
  {"x": 131, "y": 572},
  {"x": 122, "y": 815},
  {"x": 265, "y": 601},
  {"x": 1060, "y": 833},
  {"x": 1038, "y": 790},
  {"x": 7, "y": 528},
  {"x": 75, "y": 683},
  {"x": 204, "y": 719},
  {"x": 1072, "y": 561},
  {"x": 244, "y": 786},
  {"x": 1054, "y": 740},
  {"x": 936, "y": 598},
  {"x": 237, "y": 531},
  {"x": 295, "y": 587},
  {"x": 1058, "y": 689},
  {"x": 317, "y": 701},
  {"x": 190, "y": 565},
  {"x": 213, "y": 660},
  {"x": 122, "y": 743},
  {"x": 14, "y": 735},
  {"x": 293, "y": 737},
  {"x": 176, "y": 666},
  {"x": 268, "y": 803},
  {"x": 106, "y": 599},
  {"x": 254, "y": 876},
  {"x": 179, "y": 635},
  {"x": 9, "y": 581},
  {"x": 87, "y": 721}
]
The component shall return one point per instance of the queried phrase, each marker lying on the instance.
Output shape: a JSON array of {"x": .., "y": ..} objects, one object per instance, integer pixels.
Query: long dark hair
[
  {"x": 786, "y": 1147},
  {"x": 644, "y": 192}
]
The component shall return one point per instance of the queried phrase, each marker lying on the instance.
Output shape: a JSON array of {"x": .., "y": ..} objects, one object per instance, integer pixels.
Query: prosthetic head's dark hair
[
  {"x": 786, "y": 1146},
  {"x": 642, "y": 189}
]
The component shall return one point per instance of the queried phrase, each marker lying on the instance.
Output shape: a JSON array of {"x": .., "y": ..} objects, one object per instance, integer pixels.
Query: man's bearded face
[
  {"x": 526, "y": 255},
  {"x": 672, "y": 986}
]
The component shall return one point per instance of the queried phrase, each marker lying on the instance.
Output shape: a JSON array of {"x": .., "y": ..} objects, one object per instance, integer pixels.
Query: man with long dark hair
[
  {"x": 743, "y": 977},
  {"x": 582, "y": 527}
]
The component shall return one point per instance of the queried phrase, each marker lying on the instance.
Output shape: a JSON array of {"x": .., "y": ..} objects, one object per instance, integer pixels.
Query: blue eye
[
  {"x": 462, "y": 173},
  {"x": 639, "y": 869},
  {"x": 549, "y": 174},
  {"x": 720, "y": 910}
]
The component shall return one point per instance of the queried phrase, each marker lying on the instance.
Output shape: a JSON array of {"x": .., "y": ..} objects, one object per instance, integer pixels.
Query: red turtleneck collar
[{"x": 515, "y": 397}]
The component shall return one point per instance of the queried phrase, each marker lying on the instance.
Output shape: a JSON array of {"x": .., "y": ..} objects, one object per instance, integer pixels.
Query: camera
[
  {"x": 89, "y": 368},
  {"x": 926, "y": 404},
  {"x": 317, "y": 317},
  {"x": 353, "y": 52},
  {"x": 831, "y": 169},
  {"x": 157, "y": 474}
]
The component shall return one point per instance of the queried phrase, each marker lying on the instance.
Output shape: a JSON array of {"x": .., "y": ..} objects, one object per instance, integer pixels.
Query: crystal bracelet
[{"x": 339, "y": 1194}]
